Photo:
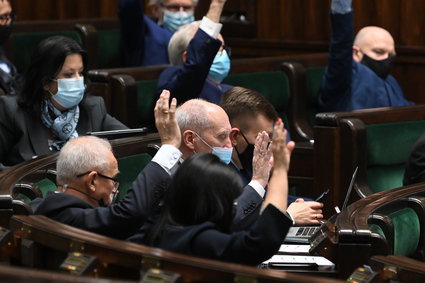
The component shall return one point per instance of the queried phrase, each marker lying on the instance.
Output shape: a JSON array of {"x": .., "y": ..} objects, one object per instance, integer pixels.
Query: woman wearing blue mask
[{"x": 53, "y": 106}]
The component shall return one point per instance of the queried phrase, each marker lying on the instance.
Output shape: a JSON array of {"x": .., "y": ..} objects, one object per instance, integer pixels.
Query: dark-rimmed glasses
[{"x": 116, "y": 182}]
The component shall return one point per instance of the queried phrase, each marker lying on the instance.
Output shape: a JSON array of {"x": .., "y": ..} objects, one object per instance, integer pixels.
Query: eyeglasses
[
  {"x": 176, "y": 8},
  {"x": 116, "y": 182},
  {"x": 7, "y": 17}
]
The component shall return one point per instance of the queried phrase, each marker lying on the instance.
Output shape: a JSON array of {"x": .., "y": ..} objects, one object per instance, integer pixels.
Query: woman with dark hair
[
  {"x": 53, "y": 106},
  {"x": 199, "y": 205}
]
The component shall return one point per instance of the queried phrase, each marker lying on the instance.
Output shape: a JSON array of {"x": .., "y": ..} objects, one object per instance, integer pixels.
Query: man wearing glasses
[
  {"x": 9, "y": 78},
  {"x": 86, "y": 170},
  {"x": 145, "y": 41}
]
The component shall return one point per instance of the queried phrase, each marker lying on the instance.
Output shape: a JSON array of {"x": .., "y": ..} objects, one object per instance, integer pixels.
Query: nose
[{"x": 228, "y": 143}]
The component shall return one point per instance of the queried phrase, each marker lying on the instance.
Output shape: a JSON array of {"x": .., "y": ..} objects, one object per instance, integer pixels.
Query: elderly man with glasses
[{"x": 86, "y": 170}]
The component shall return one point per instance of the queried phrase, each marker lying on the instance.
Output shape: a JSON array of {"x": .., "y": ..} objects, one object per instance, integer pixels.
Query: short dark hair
[
  {"x": 46, "y": 62},
  {"x": 203, "y": 189},
  {"x": 240, "y": 103}
]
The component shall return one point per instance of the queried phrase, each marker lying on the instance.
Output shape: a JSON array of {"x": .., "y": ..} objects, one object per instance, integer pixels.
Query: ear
[
  {"x": 90, "y": 182},
  {"x": 188, "y": 139},
  {"x": 184, "y": 56},
  {"x": 234, "y": 135},
  {"x": 357, "y": 54}
]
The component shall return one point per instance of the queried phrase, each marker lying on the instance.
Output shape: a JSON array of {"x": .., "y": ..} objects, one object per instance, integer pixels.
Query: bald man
[{"x": 357, "y": 75}]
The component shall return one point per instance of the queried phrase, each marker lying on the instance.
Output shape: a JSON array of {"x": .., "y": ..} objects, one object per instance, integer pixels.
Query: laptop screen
[
  {"x": 350, "y": 188},
  {"x": 117, "y": 134}
]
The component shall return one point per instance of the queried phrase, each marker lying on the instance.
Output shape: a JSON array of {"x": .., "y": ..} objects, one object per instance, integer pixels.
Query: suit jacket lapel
[{"x": 38, "y": 135}]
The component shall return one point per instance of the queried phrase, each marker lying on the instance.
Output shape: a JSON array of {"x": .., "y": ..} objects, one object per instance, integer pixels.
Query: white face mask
[
  {"x": 70, "y": 92},
  {"x": 173, "y": 20},
  {"x": 224, "y": 153}
]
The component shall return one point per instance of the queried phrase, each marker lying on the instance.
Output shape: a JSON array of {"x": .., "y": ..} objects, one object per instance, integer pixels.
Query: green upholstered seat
[
  {"x": 274, "y": 85},
  {"x": 24, "y": 44},
  {"x": 146, "y": 98},
  {"x": 388, "y": 147},
  {"x": 46, "y": 185},
  {"x": 406, "y": 231},
  {"x": 314, "y": 77},
  {"x": 108, "y": 51},
  {"x": 130, "y": 167}
]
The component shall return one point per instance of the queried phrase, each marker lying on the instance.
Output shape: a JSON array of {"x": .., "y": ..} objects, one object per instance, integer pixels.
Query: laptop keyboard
[{"x": 307, "y": 231}]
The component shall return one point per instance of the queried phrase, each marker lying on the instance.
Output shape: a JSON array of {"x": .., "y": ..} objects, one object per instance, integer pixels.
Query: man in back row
[{"x": 357, "y": 75}]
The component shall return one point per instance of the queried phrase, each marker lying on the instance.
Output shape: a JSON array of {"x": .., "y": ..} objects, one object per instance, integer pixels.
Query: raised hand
[
  {"x": 261, "y": 162},
  {"x": 165, "y": 120}
]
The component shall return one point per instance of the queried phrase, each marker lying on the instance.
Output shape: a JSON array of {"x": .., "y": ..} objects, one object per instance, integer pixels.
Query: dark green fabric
[
  {"x": 377, "y": 229},
  {"x": 130, "y": 167},
  {"x": 46, "y": 185},
  {"x": 314, "y": 77},
  {"x": 406, "y": 231},
  {"x": 146, "y": 98},
  {"x": 108, "y": 55},
  {"x": 274, "y": 85},
  {"x": 24, "y": 45},
  {"x": 388, "y": 147}
]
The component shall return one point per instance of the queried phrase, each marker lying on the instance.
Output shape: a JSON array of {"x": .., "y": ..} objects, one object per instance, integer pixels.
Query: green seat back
[
  {"x": 146, "y": 99},
  {"x": 314, "y": 77},
  {"x": 46, "y": 185},
  {"x": 274, "y": 85},
  {"x": 24, "y": 44},
  {"x": 108, "y": 51},
  {"x": 130, "y": 167},
  {"x": 388, "y": 147},
  {"x": 406, "y": 231}
]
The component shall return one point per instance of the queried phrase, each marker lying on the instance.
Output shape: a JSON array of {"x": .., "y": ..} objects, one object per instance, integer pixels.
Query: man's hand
[
  {"x": 165, "y": 120},
  {"x": 261, "y": 161},
  {"x": 306, "y": 212},
  {"x": 214, "y": 12}
]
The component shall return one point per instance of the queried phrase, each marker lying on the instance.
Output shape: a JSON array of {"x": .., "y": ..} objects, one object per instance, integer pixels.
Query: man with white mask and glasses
[
  {"x": 199, "y": 58},
  {"x": 145, "y": 41}
]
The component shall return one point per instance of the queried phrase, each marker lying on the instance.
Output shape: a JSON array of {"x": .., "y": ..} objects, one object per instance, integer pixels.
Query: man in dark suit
[
  {"x": 415, "y": 165},
  {"x": 86, "y": 170},
  {"x": 357, "y": 75},
  {"x": 200, "y": 62},
  {"x": 10, "y": 80}
]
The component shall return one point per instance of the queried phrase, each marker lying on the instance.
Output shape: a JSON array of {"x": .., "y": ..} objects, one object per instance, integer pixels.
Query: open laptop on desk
[
  {"x": 118, "y": 134},
  {"x": 302, "y": 234}
]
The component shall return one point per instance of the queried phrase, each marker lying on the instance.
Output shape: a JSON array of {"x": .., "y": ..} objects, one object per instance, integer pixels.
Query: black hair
[
  {"x": 46, "y": 62},
  {"x": 203, "y": 189}
]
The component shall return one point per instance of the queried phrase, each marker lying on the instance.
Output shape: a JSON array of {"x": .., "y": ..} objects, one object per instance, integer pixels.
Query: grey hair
[
  {"x": 81, "y": 155},
  {"x": 159, "y": 2},
  {"x": 180, "y": 41},
  {"x": 192, "y": 115}
]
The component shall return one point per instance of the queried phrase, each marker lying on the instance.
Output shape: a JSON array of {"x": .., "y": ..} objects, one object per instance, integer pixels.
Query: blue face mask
[
  {"x": 224, "y": 153},
  {"x": 70, "y": 92},
  {"x": 220, "y": 67},
  {"x": 173, "y": 20}
]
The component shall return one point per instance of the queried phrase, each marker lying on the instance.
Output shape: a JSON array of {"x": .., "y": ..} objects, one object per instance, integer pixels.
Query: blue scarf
[{"x": 62, "y": 124}]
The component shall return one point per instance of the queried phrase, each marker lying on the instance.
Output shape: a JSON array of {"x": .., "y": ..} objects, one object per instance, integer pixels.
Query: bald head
[
  {"x": 203, "y": 125},
  {"x": 375, "y": 42}
]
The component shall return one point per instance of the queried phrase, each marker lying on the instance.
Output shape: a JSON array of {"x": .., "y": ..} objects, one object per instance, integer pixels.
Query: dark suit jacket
[
  {"x": 415, "y": 165},
  {"x": 23, "y": 136},
  {"x": 10, "y": 83},
  {"x": 253, "y": 246},
  {"x": 348, "y": 85},
  {"x": 143, "y": 41},
  {"x": 119, "y": 220},
  {"x": 190, "y": 80}
]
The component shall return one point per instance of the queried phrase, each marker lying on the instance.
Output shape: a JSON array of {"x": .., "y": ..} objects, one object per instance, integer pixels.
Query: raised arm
[{"x": 336, "y": 84}]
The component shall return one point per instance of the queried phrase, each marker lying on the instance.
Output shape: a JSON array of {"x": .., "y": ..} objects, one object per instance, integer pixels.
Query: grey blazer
[{"x": 23, "y": 136}]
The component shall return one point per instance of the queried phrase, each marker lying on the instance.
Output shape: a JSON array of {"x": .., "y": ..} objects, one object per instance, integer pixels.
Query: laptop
[
  {"x": 118, "y": 134},
  {"x": 302, "y": 234}
]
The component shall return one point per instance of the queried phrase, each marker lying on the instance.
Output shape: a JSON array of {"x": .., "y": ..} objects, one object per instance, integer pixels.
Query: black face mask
[
  {"x": 380, "y": 67},
  {"x": 246, "y": 157},
  {"x": 99, "y": 201},
  {"x": 5, "y": 32}
]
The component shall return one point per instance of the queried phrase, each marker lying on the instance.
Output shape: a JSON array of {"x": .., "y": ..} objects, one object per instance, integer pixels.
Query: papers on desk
[
  {"x": 299, "y": 261},
  {"x": 294, "y": 249}
]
